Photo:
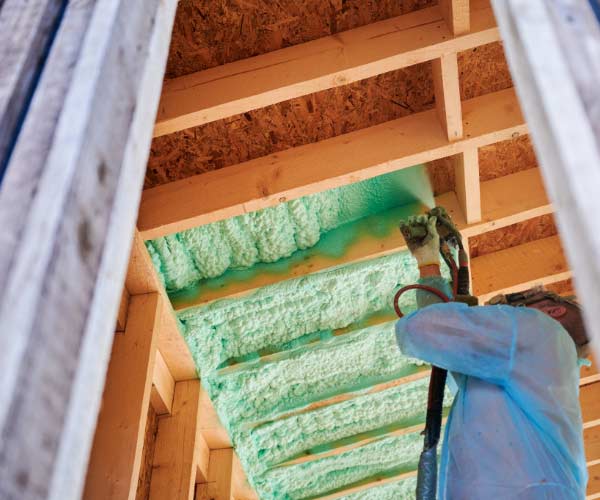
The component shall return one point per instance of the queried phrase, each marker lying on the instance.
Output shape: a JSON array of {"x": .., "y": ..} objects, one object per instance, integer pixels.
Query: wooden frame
[{"x": 69, "y": 196}]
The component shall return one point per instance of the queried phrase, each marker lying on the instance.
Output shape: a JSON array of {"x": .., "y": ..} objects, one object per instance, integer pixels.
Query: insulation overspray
[{"x": 301, "y": 320}]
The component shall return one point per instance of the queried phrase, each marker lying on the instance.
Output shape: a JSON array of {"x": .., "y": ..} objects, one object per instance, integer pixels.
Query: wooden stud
[
  {"x": 456, "y": 14},
  {"x": 447, "y": 95},
  {"x": 334, "y": 162},
  {"x": 467, "y": 188},
  {"x": 240, "y": 488},
  {"x": 116, "y": 454},
  {"x": 331, "y": 61},
  {"x": 163, "y": 387},
  {"x": 219, "y": 482},
  {"x": 210, "y": 426},
  {"x": 176, "y": 453}
]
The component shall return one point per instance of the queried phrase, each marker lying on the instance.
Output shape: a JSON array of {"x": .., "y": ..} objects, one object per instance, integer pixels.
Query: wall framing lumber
[
  {"x": 85, "y": 139},
  {"x": 467, "y": 187},
  {"x": 328, "y": 62},
  {"x": 163, "y": 385},
  {"x": 175, "y": 456},
  {"x": 122, "y": 314},
  {"x": 115, "y": 460},
  {"x": 552, "y": 51},
  {"x": 447, "y": 95},
  {"x": 457, "y": 16},
  {"x": 142, "y": 278},
  {"x": 218, "y": 485},
  {"x": 344, "y": 159}
]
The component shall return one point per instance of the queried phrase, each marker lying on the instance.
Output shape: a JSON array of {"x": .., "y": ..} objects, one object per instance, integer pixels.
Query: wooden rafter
[
  {"x": 328, "y": 62},
  {"x": 334, "y": 162}
]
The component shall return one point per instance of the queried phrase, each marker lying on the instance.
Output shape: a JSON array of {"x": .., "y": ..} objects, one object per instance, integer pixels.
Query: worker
[{"x": 515, "y": 429}]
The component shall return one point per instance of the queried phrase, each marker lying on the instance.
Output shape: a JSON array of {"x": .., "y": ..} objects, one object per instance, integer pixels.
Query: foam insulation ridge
[
  {"x": 280, "y": 440},
  {"x": 280, "y": 313},
  {"x": 348, "y": 363},
  {"x": 383, "y": 458},
  {"x": 273, "y": 233},
  {"x": 400, "y": 490}
]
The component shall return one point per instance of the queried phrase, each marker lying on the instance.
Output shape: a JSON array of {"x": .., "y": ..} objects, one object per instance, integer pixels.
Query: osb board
[
  {"x": 143, "y": 488},
  {"x": 441, "y": 175},
  {"x": 496, "y": 160},
  {"x": 483, "y": 70},
  {"x": 510, "y": 236},
  {"x": 506, "y": 157},
  {"x": 209, "y": 33},
  {"x": 291, "y": 123}
]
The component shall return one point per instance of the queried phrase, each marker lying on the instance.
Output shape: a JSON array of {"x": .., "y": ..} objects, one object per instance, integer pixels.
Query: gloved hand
[{"x": 422, "y": 239}]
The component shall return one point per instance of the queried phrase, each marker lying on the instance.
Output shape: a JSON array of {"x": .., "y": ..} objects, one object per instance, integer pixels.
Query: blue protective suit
[{"x": 515, "y": 428}]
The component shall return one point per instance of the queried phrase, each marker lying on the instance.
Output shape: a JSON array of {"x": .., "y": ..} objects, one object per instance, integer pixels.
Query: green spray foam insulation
[
  {"x": 399, "y": 490},
  {"x": 321, "y": 328},
  {"x": 272, "y": 234}
]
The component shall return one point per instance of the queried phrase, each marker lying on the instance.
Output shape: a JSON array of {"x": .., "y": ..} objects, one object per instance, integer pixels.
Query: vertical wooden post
[
  {"x": 220, "y": 474},
  {"x": 163, "y": 386},
  {"x": 178, "y": 454},
  {"x": 467, "y": 187},
  {"x": 116, "y": 453},
  {"x": 447, "y": 95},
  {"x": 457, "y": 15}
]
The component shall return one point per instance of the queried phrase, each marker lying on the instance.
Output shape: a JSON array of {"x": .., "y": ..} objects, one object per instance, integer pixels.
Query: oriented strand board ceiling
[{"x": 287, "y": 311}]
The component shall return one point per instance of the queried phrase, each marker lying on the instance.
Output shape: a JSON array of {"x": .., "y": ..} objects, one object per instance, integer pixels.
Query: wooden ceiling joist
[
  {"x": 345, "y": 159},
  {"x": 328, "y": 62}
]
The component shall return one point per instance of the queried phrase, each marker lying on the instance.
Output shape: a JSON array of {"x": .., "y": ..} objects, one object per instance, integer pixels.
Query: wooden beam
[
  {"x": 447, "y": 95},
  {"x": 466, "y": 173},
  {"x": 176, "y": 453},
  {"x": 510, "y": 199},
  {"x": 67, "y": 207},
  {"x": 552, "y": 50},
  {"x": 163, "y": 386},
  {"x": 240, "y": 488},
  {"x": 142, "y": 278},
  {"x": 334, "y": 162},
  {"x": 117, "y": 450},
  {"x": 456, "y": 14},
  {"x": 328, "y": 62},
  {"x": 219, "y": 483},
  {"x": 518, "y": 268},
  {"x": 210, "y": 426}
]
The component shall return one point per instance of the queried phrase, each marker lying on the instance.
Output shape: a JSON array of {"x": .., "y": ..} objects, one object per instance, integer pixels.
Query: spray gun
[{"x": 450, "y": 245}]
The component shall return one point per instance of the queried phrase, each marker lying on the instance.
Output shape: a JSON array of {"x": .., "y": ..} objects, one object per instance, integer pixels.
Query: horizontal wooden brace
[
  {"x": 334, "y": 162},
  {"x": 328, "y": 62}
]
